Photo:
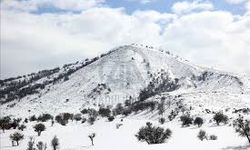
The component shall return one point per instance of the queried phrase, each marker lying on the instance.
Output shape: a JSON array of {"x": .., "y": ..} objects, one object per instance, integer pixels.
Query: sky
[{"x": 44, "y": 34}]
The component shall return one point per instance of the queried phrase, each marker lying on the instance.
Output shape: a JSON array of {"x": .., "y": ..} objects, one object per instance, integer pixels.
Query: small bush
[
  {"x": 104, "y": 112},
  {"x": 202, "y": 135},
  {"x": 39, "y": 128},
  {"x": 16, "y": 137},
  {"x": 162, "y": 120},
  {"x": 84, "y": 120},
  {"x": 152, "y": 134},
  {"x": 111, "y": 118},
  {"x": 118, "y": 125},
  {"x": 41, "y": 146},
  {"x": 186, "y": 120},
  {"x": 21, "y": 127},
  {"x": 33, "y": 118},
  {"x": 198, "y": 121},
  {"x": 213, "y": 137},
  {"x": 55, "y": 143},
  {"x": 44, "y": 117},
  {"x": 77, "y": 117},
  {"x": 31, "y": 144},
  {"x": 84, "y": 111},
  {"x": 64, "y": 118},
  {"x": 5, "y": 123},
  {"x": 220, "y": 117},
  {"x": 91, "y": 120}
]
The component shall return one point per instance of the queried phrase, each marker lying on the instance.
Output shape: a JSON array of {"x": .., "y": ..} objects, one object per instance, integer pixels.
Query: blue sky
[
  {"x": 165, "y": 5},
  {"x": 50, "y": 33}
]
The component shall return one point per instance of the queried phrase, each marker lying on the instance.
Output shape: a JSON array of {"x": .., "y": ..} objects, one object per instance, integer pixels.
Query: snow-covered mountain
[{"x": 119, "y": 75}]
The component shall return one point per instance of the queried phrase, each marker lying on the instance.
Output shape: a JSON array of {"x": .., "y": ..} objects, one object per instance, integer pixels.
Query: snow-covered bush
[
  {"x": 242, "y": 127},
  {"x": 104, "y": 112},
  {"x": 91, "y": 120},
  {"x": 118, "y": 125},
  {"x": 77, "y": 117},
  {"x": 21, "y": 127},
  {"x": 41, "y": 146},
  {"x": 55, "y": 143},
  {"x": 161, "y": 106},
  {"x": 84, "y": 120},
  {"x": 64, "y": 118},
  {"x": 172, "y": 115},
  {"x": 16, "y": 137},
  {"x": 119, "y": 109},
  {"x": 220, "y": 117},
  {"x": 153, "y": 135},
  {"x": 39, "y": 128},
  {"x": 44, "y": 117},
  {"x": 202, "y": 135},
  {"x": 31, "y": 144},
  {"x": 162, "y": 120},
  {"x": 140, "y": 106},
  {"x": 111, "y": 118},
  {"x": 186, "y": 120},
  {"x": 33, "y": 118},
  {"x": 213, "y": 137},
  {"x": 5, "y": 123},
  {"x": 198, "y": 121}
]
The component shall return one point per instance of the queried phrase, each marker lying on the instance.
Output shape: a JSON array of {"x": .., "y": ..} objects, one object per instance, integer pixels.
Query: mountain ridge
[{"x": 116, "y": 76}]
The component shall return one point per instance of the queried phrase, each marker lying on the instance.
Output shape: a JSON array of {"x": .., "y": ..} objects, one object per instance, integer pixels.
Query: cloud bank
[{"x": 33, "y": 39}]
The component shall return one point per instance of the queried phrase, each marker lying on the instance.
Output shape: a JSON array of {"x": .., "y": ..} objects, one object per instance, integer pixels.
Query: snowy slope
[{"x": 122, "y": 73}]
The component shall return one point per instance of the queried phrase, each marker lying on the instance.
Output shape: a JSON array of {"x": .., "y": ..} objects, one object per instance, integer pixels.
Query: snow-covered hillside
[
  {"x": 121, "y": 73},
  {"x": 137, "y": 84}
]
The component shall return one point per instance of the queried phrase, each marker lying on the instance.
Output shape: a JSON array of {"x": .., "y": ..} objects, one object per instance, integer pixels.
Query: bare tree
[
  {"x": 242, "y": 127},
  {"x": 91, "y": 137}
]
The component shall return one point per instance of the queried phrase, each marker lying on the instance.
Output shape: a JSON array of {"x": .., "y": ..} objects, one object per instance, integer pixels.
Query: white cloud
[
  {"x": 30, "y": 42},
  {"x": 187, "y": 7},
  {"x": 236, "y": 1},
  {"x": 144, "y": 1},
  {"x": 34, "y": 5},
  {"x": 215, "y": 38}
]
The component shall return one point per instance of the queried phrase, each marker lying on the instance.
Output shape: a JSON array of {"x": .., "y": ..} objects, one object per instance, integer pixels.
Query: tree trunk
[
  {"x": 39, "y": 133},
  {"x": 92, "y": 142},
  {"x": 248, "y": 138},
  {"x": 17, "y": 143}
]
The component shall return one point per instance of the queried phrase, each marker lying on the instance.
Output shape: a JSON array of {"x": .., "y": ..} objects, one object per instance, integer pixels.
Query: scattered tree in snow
[
  {"x": 186, "y": 120},
  {"x": 31, "y": 144},
  {"x": 41, "y": 146},
  {"x": 104, "y": 112},
  {"x": 5, "y": 123},
  {"x": 16, "y": 137},
  {"x": 91, "y": 120},
  {"x": 162, "y": 120},
  {"x": 152, "y": 134},
  {"x": 39, "y": 128},
  {"x": 242, "y": 127},
  {"x": 21, "y": 127},
  {"x": 202, "y": 135},
  {"x": 111, "y": 118},
  {"x": 198, "y": 121},
  {"x": 91, "y": 137},
  {"x": 55, "y": 143},
  {"x": 77, "y": 117},
  {"x": 220, "y": 117},
  {"x": 213, "y": 137},
  {"x": 161, "y": 106}
]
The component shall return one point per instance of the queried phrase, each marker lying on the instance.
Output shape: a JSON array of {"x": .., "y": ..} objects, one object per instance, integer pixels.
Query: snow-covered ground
[
  {"x": 120, "y": 74},
  {"x": 74, "y": 136}
]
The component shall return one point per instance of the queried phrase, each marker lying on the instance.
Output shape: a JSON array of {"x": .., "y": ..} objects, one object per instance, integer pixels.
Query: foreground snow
[{"x": 74, "y": 136}]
